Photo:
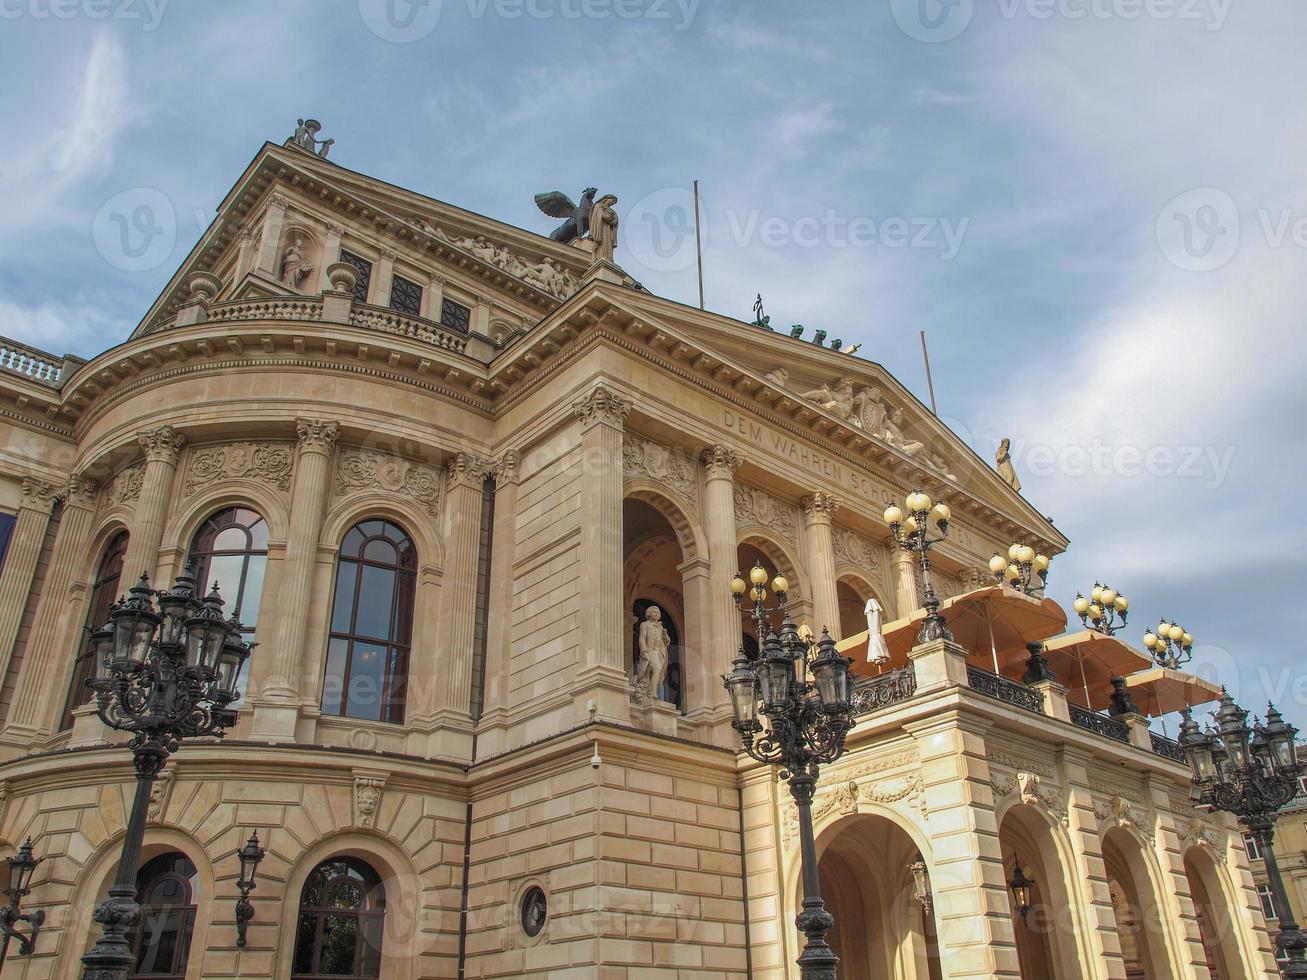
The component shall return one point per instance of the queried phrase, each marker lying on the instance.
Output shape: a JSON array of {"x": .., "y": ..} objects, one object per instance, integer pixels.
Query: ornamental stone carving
[
  {"x": 362, "y": 470},
  {"x": 666, "y": 467},
  {"x": 79, "y": 491},
  {"x": 125, "y": 486},
  {"x": 268, "y": 463},
  {"x": 505, "y": 470},
  {"x": 544, "y": 275},
  {"x": 316, "y": 435},
  {"x": 160, "y": 793},
  {"x": 754, "y": 507},
  {"x": 819, "y": 506},
  {"x": 850, "y": 548},
  {"x": 39, "y": 495},
  {"x": 844, "y": 798},
  {"x": 1030, "y": 789},
  {"x": 1120, "y": 812},
  {"x": 721, "y": 462},
  {"x": 602, "y": 405},
  {"x": 162, "y": 445},
  {"x": 367, "y": 797},
  {"x": 466, "y": 470},
  {"x": 1196, "y": 832}
]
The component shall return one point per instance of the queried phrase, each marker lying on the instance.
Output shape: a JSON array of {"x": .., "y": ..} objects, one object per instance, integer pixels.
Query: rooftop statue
[
  {"x": 556, "y": 204},
  {"x": 603, "y": 227},
  {"x": 306, "y": 136},
  {"x": 1003, "y": 463}
]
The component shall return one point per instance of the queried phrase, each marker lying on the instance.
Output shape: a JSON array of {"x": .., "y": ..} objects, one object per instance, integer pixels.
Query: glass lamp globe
[
  {"x": 739, "y": 586},
  {"x": 1109, "y": 597},
  {"x": 1121, "y": 603},
  {"x": 1176, "y": 633},
  {"x": 1014, "y": 551},
  {"x": 1081, "y": 605},
  {"x": 941, "y": 513},
  {"x": 1096, "y": 593},
  {"x": 1027, "y": 553},
  {"x": 1150, "y": 640},
  {"x": 893, "y": 514},
  {"x": 780, "y": 585},
  {"x": 1041, "y": 563},
  {"x": 997, "y": 564},
  {"x": 758, "y": 575}
]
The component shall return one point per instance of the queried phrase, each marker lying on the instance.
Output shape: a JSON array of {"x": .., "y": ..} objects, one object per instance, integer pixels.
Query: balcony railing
[
  {"x": 1092, "y": 721},
  {"x": 884, "y": 690},
  {"x": 1167, "y": 747},
  {"x": 1002, "y": 689},
  {"x": 16, "y": 358}
]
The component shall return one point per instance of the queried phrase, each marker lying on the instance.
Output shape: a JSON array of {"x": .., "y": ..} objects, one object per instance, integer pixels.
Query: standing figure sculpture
[
  {"x": 603, "y": 227},
  {"x": 651, "y": 670},
  {"x": 556, "y": 204},
  {"x": 877, "y": 651},
  {"x": 306, "y": 135},
  {"x": 1003, "y": 463},
  {"x": 293, "y": 266}
]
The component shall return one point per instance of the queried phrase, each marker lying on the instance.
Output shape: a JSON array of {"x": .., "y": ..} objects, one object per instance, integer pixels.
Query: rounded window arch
[
  {"x": 108, "y": 579},
  {"x": 230, "y": 550},
  {"x": 341, "y": 921},
  {"x": 366, "y": 674},
  {"x": 167, "y": 888}
]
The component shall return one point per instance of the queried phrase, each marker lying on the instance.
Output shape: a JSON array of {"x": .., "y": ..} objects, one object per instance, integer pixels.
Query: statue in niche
[
  {"x": 651, "y": 671},
  {"x": 306, "y": 136},
  {"x": 1003, "y": 463},
  {"x": 838, "y": 400},
  {"x": 556, "y": 204},
  {"x": 603, "y": 227},
  {"x": 293, "y": 267}
]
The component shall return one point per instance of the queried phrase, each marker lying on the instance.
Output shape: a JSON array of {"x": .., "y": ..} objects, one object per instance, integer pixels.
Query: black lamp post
[
  {"x": 21, "y": 867},
  {"x": 167, "y": 664},
  {"x": 910, "y": 526},
  {"x": 788, "y": 720},
  {"x": 250, "y": 855},
  {"x": 1252, "y": 773}
]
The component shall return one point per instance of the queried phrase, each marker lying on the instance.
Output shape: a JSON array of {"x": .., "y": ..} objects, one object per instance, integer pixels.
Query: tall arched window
[
  {"x": 108, "y": 578},
  {"x": 341, "y": 920},
  {"x": 371, "y": 624},
  {"x": 167, "y": 891},
  {"x": 231, "y": 550}
]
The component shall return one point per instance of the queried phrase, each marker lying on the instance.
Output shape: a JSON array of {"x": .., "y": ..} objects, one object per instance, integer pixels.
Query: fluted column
[
  {"x": 277, "y": 704},
  {"x": 903, "y": 563},
  {"x": 720, "y": 464},
  {"x": 20, "y": 562},
  {"x": 47, "y": 665},
  {"x": 817, "y": 511},
  {"x": 162, "y": 448},
  {"x": 603, "y": 677},
  {"x": 503, "y": 537}
]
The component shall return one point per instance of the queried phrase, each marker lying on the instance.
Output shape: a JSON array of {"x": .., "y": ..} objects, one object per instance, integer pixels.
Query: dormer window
[
  {"x": 364, "y": 268},
  {"x": 455, "y": 316},
  {"x": 405, "y": 296}
]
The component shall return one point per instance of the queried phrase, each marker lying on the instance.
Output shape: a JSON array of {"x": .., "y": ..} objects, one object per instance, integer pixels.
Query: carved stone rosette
[
  {"x": 361, "y": 470},
  {"x": 268, "y": 463},
  {"x": 602, "y": 406},
  {"x": 162, "y": 445}
]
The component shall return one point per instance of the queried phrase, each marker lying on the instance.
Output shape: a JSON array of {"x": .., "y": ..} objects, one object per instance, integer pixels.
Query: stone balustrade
[{"x": 49, "y": 369}]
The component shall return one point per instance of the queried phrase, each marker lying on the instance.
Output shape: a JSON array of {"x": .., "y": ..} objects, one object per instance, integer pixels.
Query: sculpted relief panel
[
  {"x": 270, "y": 463},
  {"x": 757, "y": 508},
  {"x": 642, "y": 458},
  {"x": 358, "y": 469},
  {"x": 124, "y": 487}
]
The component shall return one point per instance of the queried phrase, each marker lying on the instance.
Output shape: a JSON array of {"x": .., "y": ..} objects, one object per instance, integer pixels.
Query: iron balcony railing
[
  {"x": 1092, "y": 721},
  {"x": 884, "y": 690},
  {"x": 1002, "y": 689}
]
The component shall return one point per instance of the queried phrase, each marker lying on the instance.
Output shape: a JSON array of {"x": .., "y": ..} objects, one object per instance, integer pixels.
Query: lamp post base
[
  {"x": 818, "y": 961},
  {"x": 111, "y": 958},
  {"x": 1294, "y": 944}
]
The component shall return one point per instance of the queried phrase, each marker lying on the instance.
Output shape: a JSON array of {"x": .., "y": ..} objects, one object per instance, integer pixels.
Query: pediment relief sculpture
[{"x": 545, "y": 275}]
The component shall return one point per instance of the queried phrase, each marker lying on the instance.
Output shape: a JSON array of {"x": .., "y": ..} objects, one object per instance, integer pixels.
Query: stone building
[{"x": 441, "y": 467}]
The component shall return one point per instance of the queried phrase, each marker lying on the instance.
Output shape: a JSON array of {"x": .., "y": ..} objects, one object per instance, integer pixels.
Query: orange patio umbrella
[
  {"x": 1093, "y": 659},
  {"x": 993, "y": 623},
  {"x": 1160, "y": 690}
]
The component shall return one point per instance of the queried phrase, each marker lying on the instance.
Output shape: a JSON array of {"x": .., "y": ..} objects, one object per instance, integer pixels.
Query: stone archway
[
  {"x": 653, "y": 575},
  {"x": 1214, "y": 909},
  {"x": 757, "y": 549},
  {"x": 851, "y": 593},
  {"x": 1139, "y": 920},
  {"x": 881, "y": 929}
]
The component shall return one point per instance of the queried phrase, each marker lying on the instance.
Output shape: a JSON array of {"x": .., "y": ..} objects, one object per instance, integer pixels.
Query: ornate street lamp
[
  {"x": 1021, "y": 889},
  {"x": 21, "y": 867},
  {"x": 250, "y": 855},
  {"x": 1105, "y": 611},
  {"x": 793, "y": 709},
  {"x": 166, "y": 667},
  {"x": 910, "y": 526},
  {"x": 1250, "y": 773},
  {"x": 1170, "y": 644},
  {"x": 921, "y": 884},
  {"x": 1024, "y": 569}
]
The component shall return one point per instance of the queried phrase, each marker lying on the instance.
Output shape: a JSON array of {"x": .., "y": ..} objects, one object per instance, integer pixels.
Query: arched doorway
[
  {"x": 1215, "y": 914},
  {"x": 1047, "y": 948},
  {"x": 882, "y": 928},
  {"x": 652, "y": 574},
  {"x": 1134, "y": 903}
]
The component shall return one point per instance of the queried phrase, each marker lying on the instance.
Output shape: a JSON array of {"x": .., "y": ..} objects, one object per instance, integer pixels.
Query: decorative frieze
[
  {"x": 125, "y": 486},
  {"x": 851, "y": 548},
  {"x": 270, "y": 463},
  {"x": 362, "y": 470},
  {"x": 642, "y": 458},
  {"x": 844, "y": 798},
  {"x": 1020, "y": 763},
  {"x": 757, "y": 508}
]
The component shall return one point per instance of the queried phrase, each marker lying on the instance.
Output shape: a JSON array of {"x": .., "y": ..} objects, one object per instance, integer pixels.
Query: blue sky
[{"x": 1095, "y": 208}]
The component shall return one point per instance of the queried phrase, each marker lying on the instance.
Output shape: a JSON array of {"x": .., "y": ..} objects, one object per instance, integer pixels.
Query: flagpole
[{"x": 698, "y": 242}]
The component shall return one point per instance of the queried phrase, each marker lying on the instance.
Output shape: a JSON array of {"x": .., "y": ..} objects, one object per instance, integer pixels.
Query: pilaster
[
  {"x": 503, "y": 535},
  {"x": 818, "y": 508},
  {"x": 719, "y": 466},
  {"x": 382, "y": 274},
  {"x": 162, "y": 448},
  {"x": 268, "y": 261},
  {"x": 433, "y": 298},
  {"x": 16, "y": 579}
]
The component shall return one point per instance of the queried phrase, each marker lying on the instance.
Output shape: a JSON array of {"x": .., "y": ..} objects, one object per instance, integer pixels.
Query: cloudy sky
[{"x": 1095, "y": 208}]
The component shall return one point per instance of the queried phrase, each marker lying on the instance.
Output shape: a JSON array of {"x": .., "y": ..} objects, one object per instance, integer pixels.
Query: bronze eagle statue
[{"x": 556, "y": 204}]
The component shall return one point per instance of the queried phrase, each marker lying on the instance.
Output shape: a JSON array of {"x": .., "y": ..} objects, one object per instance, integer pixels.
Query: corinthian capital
[
  {"x": 316, "y": 435},
  {"x": 819, "y": 506},
  {"x": 79, "y": 491},
  {"x": 466, "y": 470},
  {"x": 602, "y": 405},
  {"x": 721, "y": 462},
  {"x": 38, "y": 495},
  {"x": 505, "y": 469},
  {"x": 162, "y": 445}
]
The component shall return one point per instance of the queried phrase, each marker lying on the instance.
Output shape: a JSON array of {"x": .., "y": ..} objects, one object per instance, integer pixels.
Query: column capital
[
  {"x": 818, "y": 507},
  {"x": 602, "y": 406},
  {"x": 278, "y": 201},
  {"x": 336, "y": 230},
  {"x": 317, "y": 435},
  {"x": 720, "y": 462},
  {"x": 79, "y": 491},
  {"x": 466, "y": 470},
  {"x": 162, "y": 445},
  {"x": 505, "y": 469},
  {"x": 38, "y": 495}
]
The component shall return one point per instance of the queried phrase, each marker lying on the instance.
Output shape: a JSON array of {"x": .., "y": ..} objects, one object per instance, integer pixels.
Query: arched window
[
  {"x": 342, "y": 915},
  {"x": 231, "y": 550},
  {"x": 371, "y": 624},
  {"x": 108, "y": 578},
  {"x": 167, "y": 891}
]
